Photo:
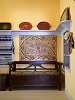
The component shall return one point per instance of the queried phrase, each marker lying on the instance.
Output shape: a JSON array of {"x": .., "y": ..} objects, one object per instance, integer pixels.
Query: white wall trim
[{"x": 69, "y": 96}]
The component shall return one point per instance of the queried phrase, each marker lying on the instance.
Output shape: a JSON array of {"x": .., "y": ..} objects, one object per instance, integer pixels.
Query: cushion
[{"x": 51, "y": 72}]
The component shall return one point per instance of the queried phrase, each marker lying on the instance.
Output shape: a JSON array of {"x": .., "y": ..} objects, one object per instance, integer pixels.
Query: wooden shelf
[{"x": 62, "y": 27}]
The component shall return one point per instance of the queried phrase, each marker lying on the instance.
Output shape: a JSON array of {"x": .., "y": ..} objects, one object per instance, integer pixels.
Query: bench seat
[{"x": 51, "y": 72}]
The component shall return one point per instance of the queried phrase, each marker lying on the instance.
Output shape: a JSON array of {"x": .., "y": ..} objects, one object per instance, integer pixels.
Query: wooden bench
[{"x": 32, "y": 76}]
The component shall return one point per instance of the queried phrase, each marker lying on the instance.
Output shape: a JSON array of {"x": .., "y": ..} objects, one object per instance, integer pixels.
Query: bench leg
[
  {"x": 10, "y": 85},
  {"x": 60, "y": 87},
  {"x": 60, "y": 83}
]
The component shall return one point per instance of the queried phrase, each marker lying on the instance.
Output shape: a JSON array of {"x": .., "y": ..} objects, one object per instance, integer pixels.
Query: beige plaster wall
[
  {"x": 33, "y": 11},
  {"x": 69, "y": 76}
]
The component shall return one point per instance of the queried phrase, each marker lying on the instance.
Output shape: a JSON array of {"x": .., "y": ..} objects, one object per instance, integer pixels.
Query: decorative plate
[
  {"x": 25, "y": 26},
  {"x": 43, "y": 25},
  {"x": 5, "y": 26}
]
